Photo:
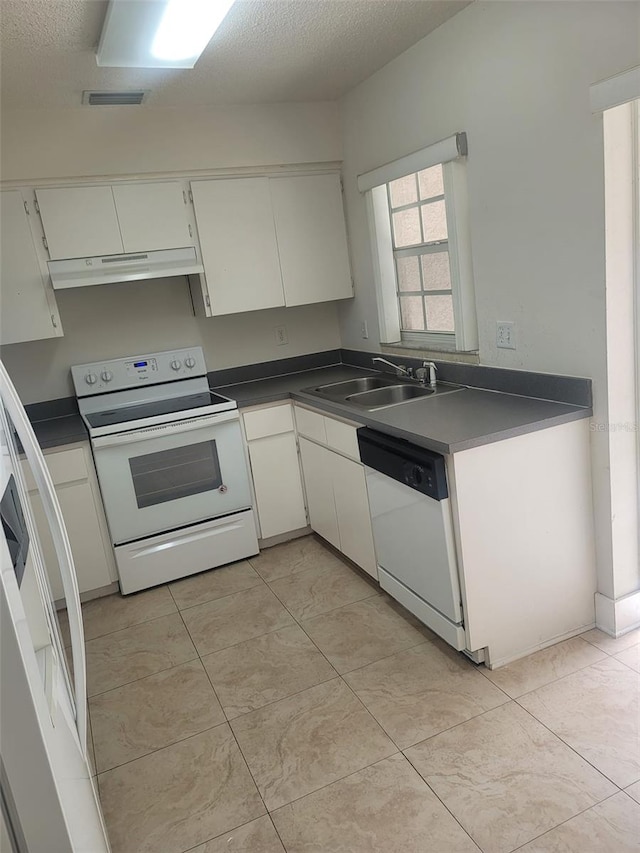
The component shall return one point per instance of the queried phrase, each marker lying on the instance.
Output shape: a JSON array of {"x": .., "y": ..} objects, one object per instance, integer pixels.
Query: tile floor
[{"x": 285, "y": 704}]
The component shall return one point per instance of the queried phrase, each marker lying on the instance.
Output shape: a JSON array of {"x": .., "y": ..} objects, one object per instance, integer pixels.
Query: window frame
[{"x": 465, "y": 336}]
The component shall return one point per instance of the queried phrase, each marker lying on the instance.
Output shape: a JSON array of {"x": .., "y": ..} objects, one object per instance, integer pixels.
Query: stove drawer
[{"x": 184, "y": 552}]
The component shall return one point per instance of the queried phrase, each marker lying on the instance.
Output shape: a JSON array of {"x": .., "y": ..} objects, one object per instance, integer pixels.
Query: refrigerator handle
[{"x": 53, "y": 513}]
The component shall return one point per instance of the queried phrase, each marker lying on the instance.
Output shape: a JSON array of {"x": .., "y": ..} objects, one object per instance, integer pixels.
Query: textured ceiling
[{"x": 265, "y": 51}]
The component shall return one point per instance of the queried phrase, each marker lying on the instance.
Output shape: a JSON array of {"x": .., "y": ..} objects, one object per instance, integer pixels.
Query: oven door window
[{"x": 176, "y": 473}]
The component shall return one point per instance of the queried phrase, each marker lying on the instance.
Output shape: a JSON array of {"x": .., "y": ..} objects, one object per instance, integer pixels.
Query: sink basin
[
  {"x": 354, "y": 386},
  {"x": 377, "y": 392},
  {"x": 390, "y": 396}
]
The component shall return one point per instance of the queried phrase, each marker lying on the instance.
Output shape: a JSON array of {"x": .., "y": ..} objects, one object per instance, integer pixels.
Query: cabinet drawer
[
  {"x": 311, "y": 424},
  {"x": 264, "y": 422},
  {"x": 342, "y": 437},
  {"x": 64, "y": 467}
]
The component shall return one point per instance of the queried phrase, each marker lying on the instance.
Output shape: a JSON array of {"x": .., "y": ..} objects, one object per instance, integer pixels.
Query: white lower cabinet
[
  {"x": 336, "y": 486},
  {"x": 277, "y": 486},
  {"x": 352, "y": 511},
  {"x": 317, "y": 468},
  {"x": 275, "y": 469},
  {"x": 77, "y": 490}
]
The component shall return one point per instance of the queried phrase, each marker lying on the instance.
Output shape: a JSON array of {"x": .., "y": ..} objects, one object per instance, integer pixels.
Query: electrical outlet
[
  {"x": 281, "y": 336},
  {"x": 364, "y": 328},
  {"x": 505, "y": 335}
]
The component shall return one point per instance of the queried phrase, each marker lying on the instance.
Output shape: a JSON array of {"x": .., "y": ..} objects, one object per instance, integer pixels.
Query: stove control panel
[{"x": 118, "y": 374}]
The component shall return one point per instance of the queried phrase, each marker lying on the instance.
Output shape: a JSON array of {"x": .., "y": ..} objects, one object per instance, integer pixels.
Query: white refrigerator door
[{"x": 45, "y": 775}]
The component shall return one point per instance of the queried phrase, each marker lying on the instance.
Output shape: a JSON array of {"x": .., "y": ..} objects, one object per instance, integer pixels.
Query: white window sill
[{"x": 417, "y": 350}]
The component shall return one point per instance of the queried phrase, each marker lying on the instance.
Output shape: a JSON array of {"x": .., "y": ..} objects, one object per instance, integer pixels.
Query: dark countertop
[
  {"x": 55, "y": 432},
  {"x": 448, "y": 423}
]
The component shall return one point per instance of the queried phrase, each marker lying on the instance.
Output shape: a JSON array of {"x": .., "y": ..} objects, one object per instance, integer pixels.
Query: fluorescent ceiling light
[{"x": 158, "y": 33}]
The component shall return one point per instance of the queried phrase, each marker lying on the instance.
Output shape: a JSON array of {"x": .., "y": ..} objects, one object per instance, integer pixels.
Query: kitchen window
[{"x": 422, "y": 252}]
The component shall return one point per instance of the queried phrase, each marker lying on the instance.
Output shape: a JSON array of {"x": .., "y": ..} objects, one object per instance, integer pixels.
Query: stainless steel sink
[
  {"x": 389, "y": 396},
  {"x": 377, "y": 392},
  {"x": 344, "y": 389}
]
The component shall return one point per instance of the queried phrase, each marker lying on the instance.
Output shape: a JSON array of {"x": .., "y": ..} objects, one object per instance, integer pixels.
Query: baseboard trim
[
  {"x": 618, "y": 616},
  {"x": 284, "y": 537}
]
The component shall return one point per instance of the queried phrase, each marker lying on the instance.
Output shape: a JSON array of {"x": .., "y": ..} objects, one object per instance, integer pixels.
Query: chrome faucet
[
  {"x": 400, "y": 369},
  {"x": 432, "y": 373}
]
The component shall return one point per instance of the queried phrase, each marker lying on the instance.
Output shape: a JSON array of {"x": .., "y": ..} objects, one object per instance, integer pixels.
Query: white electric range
[{"x": 171, "y": 465}]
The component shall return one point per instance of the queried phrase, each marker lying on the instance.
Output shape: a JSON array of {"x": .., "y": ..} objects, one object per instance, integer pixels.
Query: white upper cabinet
[
  {"x": 27, "y": 304},
  {"x": 152, "y": 216},
  {"x": 80, "y": 222},
  {"x": 238, "y": 244},
  {"x": 312, "y": 238}
]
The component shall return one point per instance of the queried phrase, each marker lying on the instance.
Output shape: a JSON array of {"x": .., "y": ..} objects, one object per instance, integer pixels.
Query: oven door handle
[{"x": 147, "y": 433}]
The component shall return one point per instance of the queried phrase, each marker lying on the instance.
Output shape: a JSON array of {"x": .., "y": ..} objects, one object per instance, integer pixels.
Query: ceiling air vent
[{"x": 113, "y": 99}]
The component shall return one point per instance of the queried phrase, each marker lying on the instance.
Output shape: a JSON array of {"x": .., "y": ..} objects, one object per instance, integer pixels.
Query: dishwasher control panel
[{"x": 416, "y": 467}]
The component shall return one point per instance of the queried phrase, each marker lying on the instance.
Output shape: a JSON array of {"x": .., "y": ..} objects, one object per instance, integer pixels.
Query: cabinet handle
[
  {"x": 46, "y": 245},
  {"x": 208, "y": 301},
  {"x": 53, "y": 320},
  {"x": 190, "y": 231},
  {"x": 26, "y": 208}
]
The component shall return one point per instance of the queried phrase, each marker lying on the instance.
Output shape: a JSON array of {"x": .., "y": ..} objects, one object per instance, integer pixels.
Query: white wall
[
  {"x": 139, "y": 140},
  {"x": 515, "y": 76},
  {"x": 102, "y": 322},
  {"x": 126, "y": 319}
]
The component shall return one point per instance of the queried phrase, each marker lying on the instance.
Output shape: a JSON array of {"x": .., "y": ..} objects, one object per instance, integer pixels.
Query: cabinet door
[
  {"x": 312, "y": 238},
  {"x": 152, "y": 216},
  {"x": 277, "y": 484},
  {"x": 352, "y": 509},
  {"x": 318, "y": 483},
  {"x": 93, "y": 569},
  {"x": 28, "y": 311},
  {"x": 238, "y": 244},
  {"x": 79, "y": 222}
]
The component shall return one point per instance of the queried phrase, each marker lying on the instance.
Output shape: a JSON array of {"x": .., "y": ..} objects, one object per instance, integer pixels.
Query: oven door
[{"x": 164, "y": 477}]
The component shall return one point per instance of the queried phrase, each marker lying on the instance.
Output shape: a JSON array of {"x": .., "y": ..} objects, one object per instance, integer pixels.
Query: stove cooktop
[{"x": 153, "y": 408}]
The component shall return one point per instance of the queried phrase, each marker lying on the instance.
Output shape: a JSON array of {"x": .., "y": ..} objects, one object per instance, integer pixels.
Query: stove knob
[
  {"x": 90, "y": 378},
  {"x": 175, "y": 364},
  {"x": 106, "y": 376},
  {"x": 190, "y": 362}
]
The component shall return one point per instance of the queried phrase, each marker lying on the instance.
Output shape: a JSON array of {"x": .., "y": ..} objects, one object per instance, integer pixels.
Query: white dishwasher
[{"x": 413, "y": 531}]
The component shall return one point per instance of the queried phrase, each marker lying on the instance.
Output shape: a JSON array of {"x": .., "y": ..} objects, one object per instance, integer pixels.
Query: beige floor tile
[
  {"x": 596, "y": 711},
  {"x": 506, "y": 778},
  {"x": 152, "y": 713},
  {"x": 259, "y": 836},
  {"x": 116, "y": 659},
  {"x": 422, "y": 691},
  {"x": 318, "y": 590},
  {"x": 179, "y": 797},
  {"x": 298, "y": 555},
  {"x": 386, "y": 808},
  {"x": 213, "y": 584},
  {"x": 609, "y": 827},
  {"x": 265, "y": 669},
  {"x": 634, "y": 791},
  {"x": 309, "y": 740},
  {"x": 611, "y": 645},
  {"x": 630, "y": 657},
  {"x": 234, "y": 618},
  {"x": 544, "y": 666},
  {"x": 115, "y": 612},
  {"x": 361, "y": 633}
]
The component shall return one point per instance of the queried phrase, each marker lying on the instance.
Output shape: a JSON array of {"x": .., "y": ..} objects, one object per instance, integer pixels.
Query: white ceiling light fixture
[{"x": 158, "y": 33}]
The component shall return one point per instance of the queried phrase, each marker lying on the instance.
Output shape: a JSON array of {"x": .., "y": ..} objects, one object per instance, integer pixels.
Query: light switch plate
[
  {"x": 505, "y": 335},
  {"x": 281, "y": 336}
]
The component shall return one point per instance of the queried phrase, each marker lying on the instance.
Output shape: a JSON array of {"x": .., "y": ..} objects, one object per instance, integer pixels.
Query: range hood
[{"x": 110, "y": 269}]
